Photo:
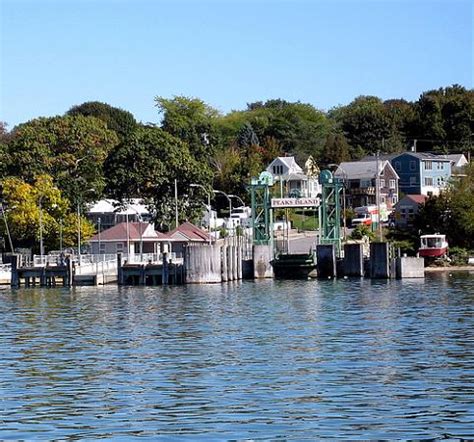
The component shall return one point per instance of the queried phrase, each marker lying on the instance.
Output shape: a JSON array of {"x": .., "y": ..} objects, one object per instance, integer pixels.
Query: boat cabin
[{"x": 433, "y": 246}]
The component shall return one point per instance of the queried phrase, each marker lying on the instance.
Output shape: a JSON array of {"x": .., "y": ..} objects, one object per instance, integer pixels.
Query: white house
[{"x": 293, "y": 180}]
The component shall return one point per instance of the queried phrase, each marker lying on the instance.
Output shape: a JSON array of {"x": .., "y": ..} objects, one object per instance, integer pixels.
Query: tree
[
  {"x": 444, "y": 119},
  {"x": 71, "y": 149},
  {"x": 336, "y": 150},
  {"x": 26, "y": 203},
  {"x": 452, "y": 212},
  {"x": 364, "y": 123},
  {"x": 116, "y": 119},
  {"x": 146, "y": 167},
  {"x": 193, "y": 122}
]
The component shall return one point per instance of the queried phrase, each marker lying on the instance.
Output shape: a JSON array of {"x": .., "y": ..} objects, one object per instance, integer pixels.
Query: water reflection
[{"x": 296, "y": 359}]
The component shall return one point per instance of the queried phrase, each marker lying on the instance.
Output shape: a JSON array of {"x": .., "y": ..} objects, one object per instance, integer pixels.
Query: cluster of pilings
[
  {"x": 43, "y": 276},
  {"x": 379, "y": 265},
  {"x": 164, "y": 273}
]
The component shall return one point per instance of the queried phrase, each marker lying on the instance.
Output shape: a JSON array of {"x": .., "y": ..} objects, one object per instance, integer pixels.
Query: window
[
  {"x": 382, "y": 199},
  {"x": 412, "y": 165},
  {"x": 439, "y": 165},
  {"x": 392, "y": 184},
  {"x": 394, "y": 200},
  {"x": 382, "y": 183},
  {"x": 428, "y": 181},
  {"x": 102, "y": 248},
  {"x": 413, "y": 181},
  {"x": 398, "y": 166},
  {"x": 277, "y": 170},
  {"x": 428, "y": 165},
  {"x": 119, "y": 247}
]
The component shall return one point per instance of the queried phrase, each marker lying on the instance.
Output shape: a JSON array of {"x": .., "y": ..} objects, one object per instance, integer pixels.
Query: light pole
[
  {"x": 208, "y": 205},
  {"x": 237, "y": 197},
  {"x": 61, "y": 234},
  {"x": 98, "y": 228},
  {"x": 228, "y": 199},
  {"x": 41, "y": 225},
  {"x": 6, "y": 227}
]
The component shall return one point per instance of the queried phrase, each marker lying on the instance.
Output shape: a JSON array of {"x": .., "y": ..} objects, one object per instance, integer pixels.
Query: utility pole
[
  {"x": 377, "y": 196},
  {"x": 176, "y": 202}
]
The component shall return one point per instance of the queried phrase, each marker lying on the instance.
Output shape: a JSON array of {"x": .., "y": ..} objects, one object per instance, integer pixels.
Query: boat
[
  {"x": 294, "y": 266},
  {"x": 433, "y": 246}
]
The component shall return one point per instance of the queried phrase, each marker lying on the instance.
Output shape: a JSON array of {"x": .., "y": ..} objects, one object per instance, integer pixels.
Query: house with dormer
[{"x": 292, "y": 179}]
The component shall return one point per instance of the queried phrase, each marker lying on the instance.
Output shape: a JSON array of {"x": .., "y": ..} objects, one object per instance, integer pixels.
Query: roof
[
  {"x": 113, "y": 206},
  {"x": 359, "y": 169},
  {"x": 417, "y": 199},
  {"x": 189, "y": 231},
  {"x": 136, "y": 232},
  {"x": 289, "y": 162},
  {"x": 424, "y": 156}
]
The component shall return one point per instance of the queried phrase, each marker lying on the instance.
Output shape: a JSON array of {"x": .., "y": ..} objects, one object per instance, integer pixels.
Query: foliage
[
  {"x": 405, "y": 246},
  {"x": 459, "y": 256},
  {"x": 146, "y": 167},
  {"x": 336, "y": 150},
  {"x": 452, "y": 212},
  {"x": 71, "y": 149},
  {"x": 116, "y": 119},
  {"x": 361, "y": 231},
  {"x": 26, "y": 203}
]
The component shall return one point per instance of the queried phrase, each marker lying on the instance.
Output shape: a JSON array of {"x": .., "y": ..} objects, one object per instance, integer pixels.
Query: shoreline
[{"x": 450, "y": 269}]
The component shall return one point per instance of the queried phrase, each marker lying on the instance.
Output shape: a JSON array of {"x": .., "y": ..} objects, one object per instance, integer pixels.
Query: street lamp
[
  {"x": 6, "y": 226},
  {"x": 237, "y": 197},
  {"x": 41, "y": 226},
  {"x": 98, "y": 228},
  {"x": 208, "y": 204},
  {"x": 228, "y": 199}
]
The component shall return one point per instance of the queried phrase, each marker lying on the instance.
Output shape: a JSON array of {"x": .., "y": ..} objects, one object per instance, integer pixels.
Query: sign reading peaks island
[{"x": 294, "y": 202}]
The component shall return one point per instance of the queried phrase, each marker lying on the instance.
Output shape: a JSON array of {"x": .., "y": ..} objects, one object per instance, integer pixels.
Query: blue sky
[{"x": 58, "y": 53}]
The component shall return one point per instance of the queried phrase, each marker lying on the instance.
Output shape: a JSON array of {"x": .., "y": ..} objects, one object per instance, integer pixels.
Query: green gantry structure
[{"x": 330, "y": 209}]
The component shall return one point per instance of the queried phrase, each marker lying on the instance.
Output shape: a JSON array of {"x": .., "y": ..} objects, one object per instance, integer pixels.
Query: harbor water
[{"x": 354, "y": 359}]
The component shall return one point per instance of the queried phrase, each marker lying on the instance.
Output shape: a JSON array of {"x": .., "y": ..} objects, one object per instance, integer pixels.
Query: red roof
[
  {"x": 190, "y": 231},
  {"x": 136, "y": 232},
  {"x": 419, "y": 199}
]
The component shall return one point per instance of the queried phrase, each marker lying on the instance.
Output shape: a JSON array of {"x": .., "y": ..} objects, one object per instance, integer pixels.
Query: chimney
[{"x": 413, "y": 148}]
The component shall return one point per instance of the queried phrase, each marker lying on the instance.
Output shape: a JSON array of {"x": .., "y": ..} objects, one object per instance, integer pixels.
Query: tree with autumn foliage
[{"x": 25, "y": 203}]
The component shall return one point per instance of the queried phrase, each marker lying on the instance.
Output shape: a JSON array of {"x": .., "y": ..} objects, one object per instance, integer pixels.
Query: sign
[{"x": 294, "y": 202}]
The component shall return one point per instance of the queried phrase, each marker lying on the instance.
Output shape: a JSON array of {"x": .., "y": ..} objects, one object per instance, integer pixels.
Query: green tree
[
  {"x": 364, "y": 123},
  {"x": 116, "y": 119},
  {"x": 452, "y": 212},
  {"x": 26, "y": 203},
  {"x": 336, "y": 150},
  {"x": 71, "y": 149},
  {"x": 193, "y": 122},
  {"x": 146, "y": 167}
]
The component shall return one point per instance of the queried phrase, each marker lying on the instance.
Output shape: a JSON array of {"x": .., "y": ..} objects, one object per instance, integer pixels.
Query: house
[
  {"x": 187, "y": 233},
  {"x": 360, "y": 177},
  {"x": 422, "y": 173},
  {"x": 407, "y": 208},
  {"x": 107, "y": 213},
  {"x": 291, "y": 178},
  {"x": 458, "y": 161},
  {"x": 130, "y": 238}
]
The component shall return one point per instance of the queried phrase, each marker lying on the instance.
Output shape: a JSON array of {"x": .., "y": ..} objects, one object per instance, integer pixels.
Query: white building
[
  {"x": 293, "y": 180},
  {"x": 111, "y": 213}
]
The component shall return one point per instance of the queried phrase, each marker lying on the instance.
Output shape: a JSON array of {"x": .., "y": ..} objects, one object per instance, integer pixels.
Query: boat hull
[
  {"x": 294, "y": 266},
  {"x": 434, "y": 252}
]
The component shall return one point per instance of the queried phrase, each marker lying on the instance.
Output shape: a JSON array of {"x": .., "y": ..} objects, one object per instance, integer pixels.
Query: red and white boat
[{"x": 433, "y": 246}]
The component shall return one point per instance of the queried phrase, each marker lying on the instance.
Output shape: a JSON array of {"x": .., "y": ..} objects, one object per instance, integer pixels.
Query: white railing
[
  {"x": 96, "y": 268},
  {"x": 152, "y": 258}
]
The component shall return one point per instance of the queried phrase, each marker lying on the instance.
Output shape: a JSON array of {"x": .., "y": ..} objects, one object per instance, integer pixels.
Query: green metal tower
[
  {"x": 262, "y": 222},
  {"x": 330, "y": 215}
]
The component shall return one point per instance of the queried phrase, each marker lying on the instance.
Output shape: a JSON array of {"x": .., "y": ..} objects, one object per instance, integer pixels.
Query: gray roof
[
  {"x": 359, "y": 169},
  {"x": 424, "y": 156}
]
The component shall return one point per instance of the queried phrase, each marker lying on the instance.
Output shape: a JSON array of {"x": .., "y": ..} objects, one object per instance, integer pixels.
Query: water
[{"x": 302, "y": 360}]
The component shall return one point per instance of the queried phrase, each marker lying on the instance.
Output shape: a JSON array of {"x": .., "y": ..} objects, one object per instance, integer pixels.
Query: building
[
  {"x": 129, "y": 238},
  {"x": 360, "y": 180},
  {"x": 291, "y": 178},
  {"x": 187, "y": 233},
  {"x": 458, "y": 161},
  {"x": 108, "y": 213},
  {"x": 407, "y": 208},
  {"x": 422, "y": 173}
]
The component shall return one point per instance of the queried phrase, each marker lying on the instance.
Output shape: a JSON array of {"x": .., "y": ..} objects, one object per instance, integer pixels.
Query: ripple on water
[{"x": 254, "y": 360}]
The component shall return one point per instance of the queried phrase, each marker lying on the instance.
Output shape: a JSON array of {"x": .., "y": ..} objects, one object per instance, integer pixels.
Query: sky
[{"x": 55, "y": 54}]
